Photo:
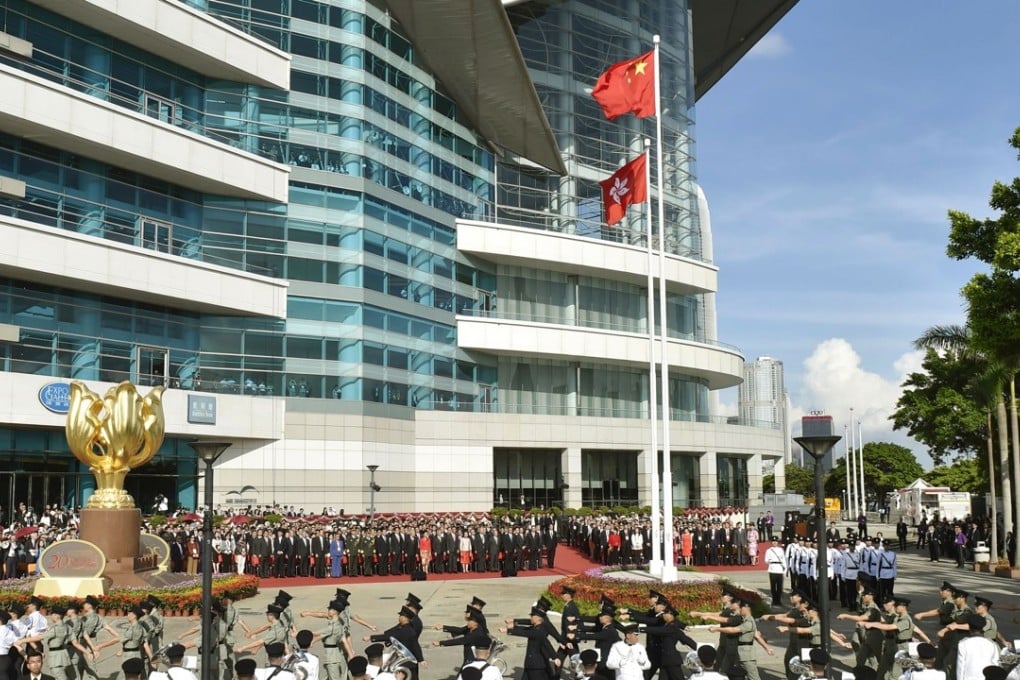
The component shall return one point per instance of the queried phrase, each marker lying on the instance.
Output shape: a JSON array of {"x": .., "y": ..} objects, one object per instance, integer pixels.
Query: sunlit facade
[{"x": 292, "y": 224}]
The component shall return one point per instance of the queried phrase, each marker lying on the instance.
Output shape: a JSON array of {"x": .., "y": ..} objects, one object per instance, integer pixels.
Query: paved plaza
[{"x": 512, "y": 597}]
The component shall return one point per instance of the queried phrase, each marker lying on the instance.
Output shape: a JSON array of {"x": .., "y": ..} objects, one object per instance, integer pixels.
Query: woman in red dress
[
  {"x": 425, "y": 551},
  {"x": 686, "y": 546}
]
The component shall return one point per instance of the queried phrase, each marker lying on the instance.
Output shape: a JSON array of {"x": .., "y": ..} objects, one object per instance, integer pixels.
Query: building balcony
[
  {"x": 42, "y": 254},
  {"x": 181, "y": 34},
  {"x": 58, "y": 116},
  {"x": 720, "y": 366},
  {"x": 552, "y": 250}
]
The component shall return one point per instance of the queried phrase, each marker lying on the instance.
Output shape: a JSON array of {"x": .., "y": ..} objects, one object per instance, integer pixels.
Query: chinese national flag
[
  {"x": 626, "y": 186},
  {"x": 628, "y": 87}
]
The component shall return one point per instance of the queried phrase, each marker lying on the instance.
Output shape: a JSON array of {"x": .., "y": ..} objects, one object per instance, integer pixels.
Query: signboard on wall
[
  {"x": 55, "y": 397},
  {"x": 202, "y": 409}
]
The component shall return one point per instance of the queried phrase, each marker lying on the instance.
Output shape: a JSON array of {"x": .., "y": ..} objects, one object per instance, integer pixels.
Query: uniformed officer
[
  {"x": 77, "y": 648},
  {"x": 273, "y": 629},
  {"x": 92, "y": 624},
  {"x": 794, "y": 619},
  {"x": 539, "y": 655},
  {"x": 952, "y": 634},
  {"x": 982, "y": 606},
  {"x": 275, "y": 651},
  {"x": 55, "y": 640},
  {"x": 944, "y": 612},
  {"x": 135, "y": 639},
  {"x": 334, "y": 663},
  {"x": 747, "y": 634},
  {"x": 155, "y": 610},
  {"x": 867, "y": 641}
]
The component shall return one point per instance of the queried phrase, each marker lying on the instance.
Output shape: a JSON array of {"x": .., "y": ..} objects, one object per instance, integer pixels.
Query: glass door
[{"x": 151, "y": 364}]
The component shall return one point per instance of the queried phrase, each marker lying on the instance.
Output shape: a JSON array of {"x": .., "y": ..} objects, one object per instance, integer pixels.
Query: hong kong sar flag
[{"x": 626, "y": 186}]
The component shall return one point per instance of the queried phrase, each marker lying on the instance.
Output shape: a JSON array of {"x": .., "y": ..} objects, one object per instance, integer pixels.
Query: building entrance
[{"x": 37, "y": 490}]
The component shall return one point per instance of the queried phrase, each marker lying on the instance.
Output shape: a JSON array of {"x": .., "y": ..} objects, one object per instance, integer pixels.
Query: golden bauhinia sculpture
[{"x": 114, "y": 435}]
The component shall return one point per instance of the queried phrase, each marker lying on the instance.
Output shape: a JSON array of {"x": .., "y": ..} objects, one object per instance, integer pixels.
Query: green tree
[
  {"x": 993, "y": 304},
  {"x": 768, "y": 484},
  {"x": 799, "y": 479},
  {"x": 985, "y": 390},
  {"x": 887, "y": 467},
  {"x": 937, "y": 407},
  {"x": 963, "y": 475}
]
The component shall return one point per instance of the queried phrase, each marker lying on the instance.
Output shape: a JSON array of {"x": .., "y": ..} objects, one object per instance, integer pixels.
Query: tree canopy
[
  {"x": 887, "y": 467},
  {"x": 963, "y": 475},
  {"x": 938, "y": 408},
  {"x": 799, "y": 479}
]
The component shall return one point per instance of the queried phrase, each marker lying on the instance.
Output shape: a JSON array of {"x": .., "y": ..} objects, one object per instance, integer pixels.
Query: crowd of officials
[{"x": 64, "y": 643}]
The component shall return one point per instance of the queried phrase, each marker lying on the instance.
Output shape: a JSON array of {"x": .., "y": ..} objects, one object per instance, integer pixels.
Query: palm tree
[{"x": 987, "y": 392}]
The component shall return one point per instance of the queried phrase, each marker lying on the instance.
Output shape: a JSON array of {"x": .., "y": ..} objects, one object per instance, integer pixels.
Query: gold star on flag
[{"x": 639, "y": 68}]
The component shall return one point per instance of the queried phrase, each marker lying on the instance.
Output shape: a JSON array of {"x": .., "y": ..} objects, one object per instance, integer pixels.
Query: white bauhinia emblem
[{"x": 619, "y": 189}]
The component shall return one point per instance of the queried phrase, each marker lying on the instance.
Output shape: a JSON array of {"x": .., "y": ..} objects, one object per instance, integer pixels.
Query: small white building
[{"x": 919, "y": 497}]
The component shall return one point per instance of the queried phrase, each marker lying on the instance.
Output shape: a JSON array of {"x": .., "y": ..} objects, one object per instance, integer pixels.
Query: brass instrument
[
  {"x": 693, "y": 663},
  {"x": 400, "y": 658},
  {"x": 496, "y": 647},
  {"x": 907, "y": 662},
  {"x": 801, "y": 668},
  {"x": 1008, "y": 658},
  {"x": 292, "y": 664}
]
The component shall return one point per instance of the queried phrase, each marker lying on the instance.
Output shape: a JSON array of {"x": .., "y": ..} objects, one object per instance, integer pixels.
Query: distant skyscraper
[
  {"x": 763, "y": 398},
  {"x": 762, "y": 394}
]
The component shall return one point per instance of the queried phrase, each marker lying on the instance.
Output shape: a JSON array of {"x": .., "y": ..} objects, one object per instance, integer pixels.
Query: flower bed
[
  {"x": 686, "y": 596},
  {"x": 183, "y": 597}
]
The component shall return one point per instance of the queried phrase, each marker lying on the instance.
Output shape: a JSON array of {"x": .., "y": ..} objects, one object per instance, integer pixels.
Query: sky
[{"x": 830, "y": 155}]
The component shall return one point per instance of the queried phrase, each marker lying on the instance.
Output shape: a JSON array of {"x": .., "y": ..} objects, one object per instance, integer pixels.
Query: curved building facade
[{"x": 295, "y": 215}]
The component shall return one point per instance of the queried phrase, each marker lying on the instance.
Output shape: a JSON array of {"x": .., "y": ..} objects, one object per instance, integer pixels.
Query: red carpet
[{"x": 568, "y": 562}]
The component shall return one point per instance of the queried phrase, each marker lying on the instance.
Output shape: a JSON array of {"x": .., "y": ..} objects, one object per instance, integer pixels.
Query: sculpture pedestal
[
  {"x": 116, "y": 532},
  {"x": 71, "y": 587}
]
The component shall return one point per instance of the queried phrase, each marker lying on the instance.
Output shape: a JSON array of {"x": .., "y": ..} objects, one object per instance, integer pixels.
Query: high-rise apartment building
[
  {"x": 351, "y": 232},
  {"x": 762, "y": 394}
]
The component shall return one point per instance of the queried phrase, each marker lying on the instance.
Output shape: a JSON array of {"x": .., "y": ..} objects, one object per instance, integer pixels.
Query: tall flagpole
[
  {"x": 668, "y": 563},
  {"x": 860, "y": 468},
  {"x": 846, "y": 464},
  {"x": 853, "y": 468},
  {"x": 655, "y": 565}
]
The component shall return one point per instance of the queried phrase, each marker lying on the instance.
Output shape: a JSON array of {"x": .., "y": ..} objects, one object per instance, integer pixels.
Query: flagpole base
[
  {"x": 669, "y": 573},
  {"x": 655, "y": 567}
]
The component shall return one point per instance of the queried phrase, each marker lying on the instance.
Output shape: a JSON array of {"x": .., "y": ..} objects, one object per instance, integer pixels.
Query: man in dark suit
[
  {"x": 550, "y": 541},
  {"x": 382, "y": 551},
  {"x": 303, "y": 551},
  {"x": 533, "y": 544},
  {"x": 492, "y": 550},
  {"x": 319, "y": 549},
  {"x": 177, "y": 553},
  {"x": 518, "y": 549},
  {"x": 281, "y": 554},
  {"x": 506, "y": 547},
  {"x": 408, "y": 550},
  {"x": 478, "y": 551}
]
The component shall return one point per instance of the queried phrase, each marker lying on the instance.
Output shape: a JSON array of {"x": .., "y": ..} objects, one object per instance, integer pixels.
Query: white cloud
[
  {"x": 835, "y": 381},
  {"x": 771, "y": 46}
]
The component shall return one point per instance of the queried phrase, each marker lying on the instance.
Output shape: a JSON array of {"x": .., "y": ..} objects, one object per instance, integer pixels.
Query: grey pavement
[{"x": 444, "y": 603}]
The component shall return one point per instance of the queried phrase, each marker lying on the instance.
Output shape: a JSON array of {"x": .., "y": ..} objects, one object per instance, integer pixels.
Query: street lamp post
[
  {"x": 208, "y": 452},
  {"x": 817, "y": 446},
  {"x": 372, "y": 488}
]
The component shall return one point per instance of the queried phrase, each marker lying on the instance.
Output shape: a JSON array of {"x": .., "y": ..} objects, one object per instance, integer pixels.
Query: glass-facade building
[{"x": 279, "y": 210}]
